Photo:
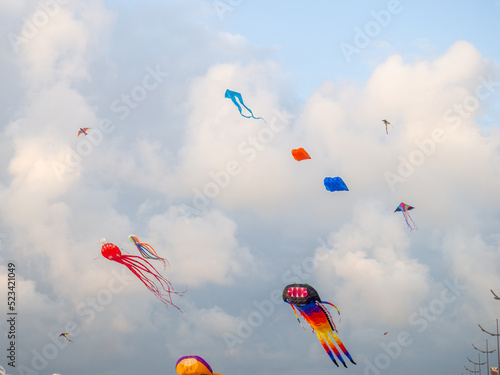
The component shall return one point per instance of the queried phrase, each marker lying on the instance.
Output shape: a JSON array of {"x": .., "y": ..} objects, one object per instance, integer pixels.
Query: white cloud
[
  {"x": 369, "y": 270},
  {"x": 201, "y": 249},
  {"x": 58, "y": 49}
]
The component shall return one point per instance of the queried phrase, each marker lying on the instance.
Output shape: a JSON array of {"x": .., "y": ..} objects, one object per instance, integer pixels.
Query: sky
[{"x": 170, "y": 159}]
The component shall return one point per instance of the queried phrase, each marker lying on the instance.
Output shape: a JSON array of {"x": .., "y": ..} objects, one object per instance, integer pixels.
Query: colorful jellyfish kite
[
  {"x": 65, "y": 334},
  {"x": 335, "y": 184},
  {"x": 306, "y": 299},
  {"x": 147, "y": 250},
  {"x": 83, "y": 131},
  {"x": 233, "y": 95},
  {"x": 300, "y": 154},
  {"x": 140, "y": 267},
  {"x": 404, "y": 208},
  {"x": 386, "y": 123},
  {"x": 193, "y": 365}
]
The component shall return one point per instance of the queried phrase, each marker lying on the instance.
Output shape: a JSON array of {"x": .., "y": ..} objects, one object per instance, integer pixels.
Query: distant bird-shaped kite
[
  {"x": 193, "y": 365},
  {"x": 404, "y": 208},
  {"x": 385, "y": 333},
  {"x": 386, "y": 123},
  {"x": 140, "y": 267},
  {"x": 233, "y": 95},
  {"x": 300, "y": 154},
  {"x": 65, "y": 334},
  {"x": 83, "y": 131},
  {"x": 494, "y": 294},
  {"x": 335, "y": 184},
  {"x": 147, "y": 250},
  {"x": 305, "y": 298}
]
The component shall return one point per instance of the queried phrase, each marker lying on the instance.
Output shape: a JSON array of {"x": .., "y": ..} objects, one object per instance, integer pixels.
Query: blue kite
[
  {"x": 233, "y": 95},
  {"x": 335, "y": 184}
]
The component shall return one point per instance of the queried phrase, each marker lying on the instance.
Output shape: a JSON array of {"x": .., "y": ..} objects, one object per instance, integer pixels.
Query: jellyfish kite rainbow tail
[
  {"x": 304, "y": 298},
  {"x": 140, "y": 267},
  {"x": 404, "y": 208},
  {"x": 147, "y": 251},
  {"x": 235, "y": 98}
]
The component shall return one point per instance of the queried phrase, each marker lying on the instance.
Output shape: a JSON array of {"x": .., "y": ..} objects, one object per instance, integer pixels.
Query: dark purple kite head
[{"x": 300, "y": 294}]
